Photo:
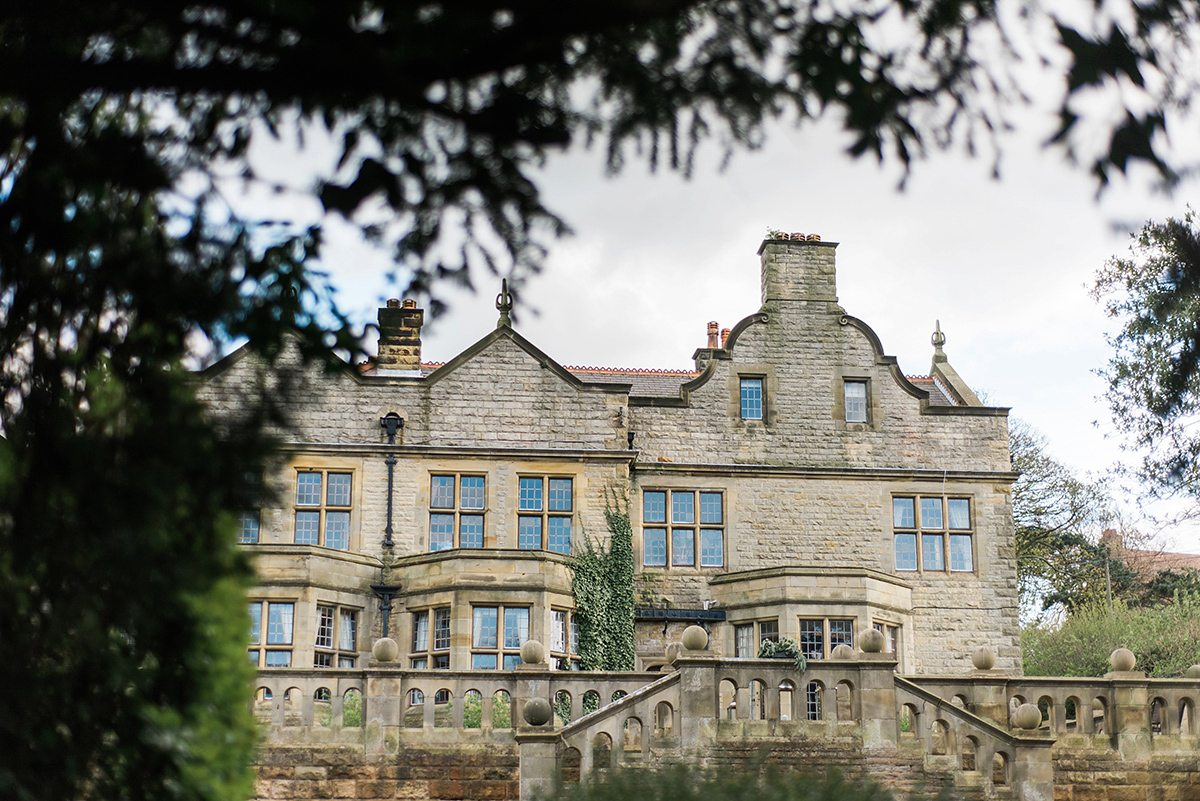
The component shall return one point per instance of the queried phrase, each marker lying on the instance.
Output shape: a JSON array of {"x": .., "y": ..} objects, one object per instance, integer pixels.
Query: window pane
[
  {"x": 346, "y": 661},
  {"x": 654, "y": 547},
  {"x": 322, "y": 660},
  {"x": 338, "y": 493},
  {"x": 743, "y": 641},
  {"x": 483, "y": 661},
  {"x": 470, "y": 531},
  {"x": 768, "y": 630},
  {"x": 420, "y": 641},
  {"x": 248, "y": 531},
  {"x": 441, "y": 492},
  {"x": 903, "y": 515},
  {"x": 959, "y": 511},
  {"x": 812, "y": 638},
  {"x": 683, "y": 507},
  {"x": 308, "y": 527},
  {"x": 324, "y": 627},
  {"x": 574, "y": 644},
  {"x": 471, "y": 494},
  {"x": 420, "y": 664},
  {"x": 931, "y": 513},
  {"x": 255, "y": 622},
  {"x": 710, "y": 507},
  {"x": 337, "y": 530},
  {"x": 960, "y": 553},
  {"x": 752, "y": 396},
  {"x": 712, "y": 547},
  {"x": 485, "y": 627},
  {"x": 529, "y": 532},
  {"x": 516, "y": 627},
  {"x": 531, "y": 495},
  {"x": 932, "y": 557},
  {"x": 856, "y": 401},
  {"x": 654, "y": 507},
  {"x": 841, "y": 631},
  {"x": 511, "y": 661},
  {"x": 906, "y": 551},
  {"x": 558, "y": 534},
  {"x": 558, "y": 632},
  {"x": 441, "y": 532},
  {"x": 308, "y": 489},
  {"x": 558, "y": 495},
  {"x": 279, "y": 624},
  {"x": 441, "y": 629},
  {"x": 347, "y": 630},
  {"x": 683, "y": 546},
  {"x": 279, "y": 658},
  {"x": 441, "y": 661}
]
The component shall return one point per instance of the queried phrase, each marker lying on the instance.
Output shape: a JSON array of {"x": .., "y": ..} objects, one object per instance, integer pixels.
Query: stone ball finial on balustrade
[
  {"x": 533, "y": 653},
  {"x": 1122, "y": 660},
  {"x": 1027, "y": 717},
  {"x": 673, "y": 651},
  {"x": 537, "y": 710},
  {"x": 385, "y": 649},
  {"x": 694, "y": 638},
  {"x": 872, "y": 641},
  {"x": 842, "y": 651},
  {"x": 1193, "y": 672},
  {"x": 984, "y": 658}
]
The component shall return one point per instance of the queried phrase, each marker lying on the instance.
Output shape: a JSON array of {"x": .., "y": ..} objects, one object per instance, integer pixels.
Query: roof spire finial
[
  {"x": 937, "y": 340},
  {"x": 504, "y": 303}
]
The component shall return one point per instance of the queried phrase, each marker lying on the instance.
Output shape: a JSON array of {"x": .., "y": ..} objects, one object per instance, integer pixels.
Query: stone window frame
[
  {"x": 841, "y": 378},
  {"x": 271, "y": 648},
  {"x": 760, "y": 629},
  {"x": 844, "y": 634},
  {"x": 327, "y": 467},
  {"x": 507, "y": 656},
  {"x": 544, "y": 514},
  {"x": 950, "y": 539},
  {"x": 334, "y": 648},
  {"x": 250, "y": 517},
  {"x": 770, "y": 391},
  {"x": 668, "y": 525},
  {"x": 434, "y": 651},
  {"x": 456, "y": 511}
]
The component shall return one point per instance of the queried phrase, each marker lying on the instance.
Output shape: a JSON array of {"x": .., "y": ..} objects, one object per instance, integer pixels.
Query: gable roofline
[
  {"x": 507, "y": 332},
  {"x": 881, "y": 358}
]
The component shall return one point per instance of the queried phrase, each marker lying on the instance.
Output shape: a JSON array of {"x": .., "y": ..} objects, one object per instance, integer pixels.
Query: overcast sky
[{"x": 1004, "y": 265}]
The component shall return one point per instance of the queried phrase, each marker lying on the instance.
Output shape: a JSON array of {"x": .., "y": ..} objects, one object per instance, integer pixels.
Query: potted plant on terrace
[{"x": 783, "y": 648}]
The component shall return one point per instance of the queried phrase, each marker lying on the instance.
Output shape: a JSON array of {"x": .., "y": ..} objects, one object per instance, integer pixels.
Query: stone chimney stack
[
  {"x": 798, "y": 267},
  {"x": 712, "y": 334},
  {"x": 400, "y": 335}
]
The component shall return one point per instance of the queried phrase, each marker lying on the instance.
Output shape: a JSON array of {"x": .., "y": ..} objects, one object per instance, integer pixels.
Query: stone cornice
[{"x": 800, "y": 471}]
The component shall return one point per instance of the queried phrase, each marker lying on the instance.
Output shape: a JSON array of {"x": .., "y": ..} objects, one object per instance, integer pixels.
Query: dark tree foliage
[
  {"x": 1153, "y": 380},
  {"x": 122, "y": 123}
]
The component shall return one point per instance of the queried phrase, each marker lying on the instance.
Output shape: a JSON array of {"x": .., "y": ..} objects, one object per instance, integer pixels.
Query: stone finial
[
  {"x": 842, "y": 651},
  {"x": 533, "y": 652},
  {"x": 537, "y": 712},
  {"x": 385, "y": 649},
  {"x": 984, "y": 658},
  {"x": 694, "y": 638},
  {"x": 1027, "y": 717},
  {"x": 872, "y": 641},
  {"x": 504, "y": 303},
  {"x": 1192, "y": 672},
  {"x": 1122, "y": 660},
  {"x": 673, "y": 650},
  {"x": 938, "y": 340}
]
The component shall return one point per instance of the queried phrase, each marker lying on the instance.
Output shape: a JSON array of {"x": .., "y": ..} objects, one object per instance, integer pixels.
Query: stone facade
[{"x": 785, "y": 517}]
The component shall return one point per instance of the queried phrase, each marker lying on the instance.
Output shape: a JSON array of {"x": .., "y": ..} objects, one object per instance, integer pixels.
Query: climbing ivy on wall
[{"x": 603, "y": 587}]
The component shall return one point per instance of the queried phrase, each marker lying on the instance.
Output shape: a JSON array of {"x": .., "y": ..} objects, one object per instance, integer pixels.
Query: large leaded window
[
  {"x": 336, "y": 637},
  {"x": 819, "y": 636},
  {"x": 323, "y": 500},
  {"x": 271, "y": 627},
  {"x": 683, "y": 528},
  {"x": 747, "y": 637},
  {"x": 497, "y": 633},
  {"x": 456, "y": 504},
  {"x": 431, "y": 639},
  {"x": 933, "y": 534},
  {"x": 545, "y": 505}
]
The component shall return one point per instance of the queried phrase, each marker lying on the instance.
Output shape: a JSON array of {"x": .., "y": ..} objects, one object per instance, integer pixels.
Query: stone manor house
[{"x": 795, "y": 483}]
